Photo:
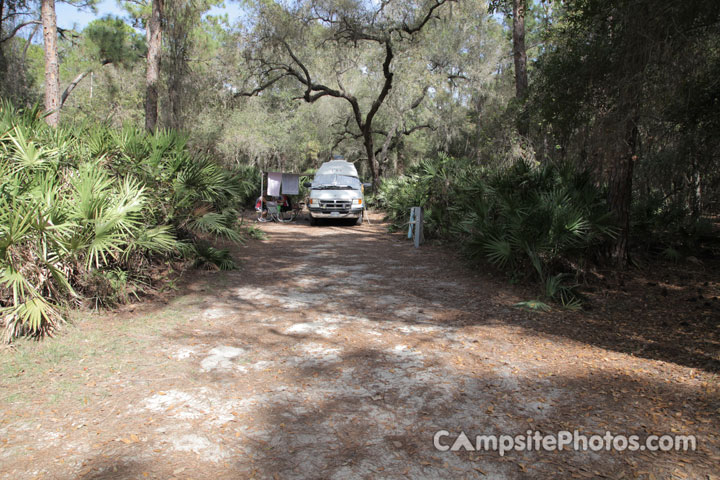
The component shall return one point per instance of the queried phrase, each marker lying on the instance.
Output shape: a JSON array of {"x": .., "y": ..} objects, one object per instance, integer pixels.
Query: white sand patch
[
  {"x": 314, "y": 328},
  {"x": 261, "y": 365},
  {"x": 309, "y": 281},
  {"x": 314, "y": 354},
  {"x": 405, "y": 358},
  {"x": 320, "y": 351},
  {"x": 184, "y": 352},
  {"x": 200, "y": 446},
  {"x": 300, "y": 300},
  {"x": 220, "y": 358},
  {"x": 374, "y": 333},
  {"x": 269, "y": 320},
  {"x": 342, "y": 319},
  {"x": 337, "y": 319},
  {"x": 217, "y": 312},
  {"x": 255, "y": 295},
  {"x": 326, "y": 325},
  {"x": 257, "y": 366},
  {"x": 192, "y": 407},
  {"x": 405, "y": 352},
  {"x": 203, "y": 404},
  {"x": 417, "y": 328}
]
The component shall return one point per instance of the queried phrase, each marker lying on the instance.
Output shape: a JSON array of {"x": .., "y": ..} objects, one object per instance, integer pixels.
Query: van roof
[{"x": 340, "y": 167}]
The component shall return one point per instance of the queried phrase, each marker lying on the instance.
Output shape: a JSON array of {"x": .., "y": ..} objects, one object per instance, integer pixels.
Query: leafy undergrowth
[
  {"x": 542, "y": 223},
  {"x": 86, "y": 212},
  {"x": 546, "y": 224}
]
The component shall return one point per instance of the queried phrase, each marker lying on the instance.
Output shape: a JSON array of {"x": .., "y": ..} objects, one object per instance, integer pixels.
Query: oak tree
[{"x": 348, "y": 37}]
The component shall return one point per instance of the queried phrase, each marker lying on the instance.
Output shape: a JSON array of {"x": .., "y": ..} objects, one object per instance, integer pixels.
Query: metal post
[
  {"x": 415, "y": 230},
  {"x": 411, "y": 223},
  {"x": 418, "y": 226},
  {"x": 417, "y": 216}
]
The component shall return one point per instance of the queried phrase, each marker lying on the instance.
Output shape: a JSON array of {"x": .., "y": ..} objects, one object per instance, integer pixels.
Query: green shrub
[
  {"x": 84, "y": 211},
  {"x": 434, "y": 185},
  {"x": 538, "y": 222},
  {"x": 664, "y": 225}
]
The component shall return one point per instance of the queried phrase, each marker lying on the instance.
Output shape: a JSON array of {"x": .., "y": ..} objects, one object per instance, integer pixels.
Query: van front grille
[{"x": 335, "y": 205}]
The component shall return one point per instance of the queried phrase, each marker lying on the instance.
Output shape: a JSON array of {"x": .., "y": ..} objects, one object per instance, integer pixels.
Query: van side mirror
[
  {"x": 307, "y": 184},
  {"x": 367, "y": 186}
]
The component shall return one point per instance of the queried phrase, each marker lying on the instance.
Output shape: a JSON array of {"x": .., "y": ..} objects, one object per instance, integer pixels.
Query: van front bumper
[{"x": 321, "y": 213}]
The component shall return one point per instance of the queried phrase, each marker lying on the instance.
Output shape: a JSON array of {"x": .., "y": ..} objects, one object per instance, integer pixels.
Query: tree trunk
[
  {"x": 3, "y": 66},
  {"x": 520, "y": 57},
  {"x": 372, "y": 161},
  {"x": 383, "y": 152},
  {"x": 174, "y": 98},
  {"x": 154, "y": 35},
  {"x": 519, "y": 53},
  {"x": 695, "y": 190},
  {"x": 620, "y": 193},
  {"x": 52, "y": 70}
]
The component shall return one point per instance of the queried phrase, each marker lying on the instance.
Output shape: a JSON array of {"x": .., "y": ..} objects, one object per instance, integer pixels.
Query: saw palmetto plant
[
  {"x": 536, "y": 222},
  {"x": 92, "y": 205}
]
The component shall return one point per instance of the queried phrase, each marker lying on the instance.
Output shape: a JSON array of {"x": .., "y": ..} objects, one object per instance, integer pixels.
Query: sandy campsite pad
[{"x": 338, "y": 352}]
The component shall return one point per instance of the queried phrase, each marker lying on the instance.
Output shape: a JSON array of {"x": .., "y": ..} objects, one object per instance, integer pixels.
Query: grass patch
[{"x": 88, "y": 351}]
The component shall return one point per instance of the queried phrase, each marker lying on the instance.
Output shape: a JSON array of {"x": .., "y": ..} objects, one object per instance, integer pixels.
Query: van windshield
[{"x": 335, "y": 182}]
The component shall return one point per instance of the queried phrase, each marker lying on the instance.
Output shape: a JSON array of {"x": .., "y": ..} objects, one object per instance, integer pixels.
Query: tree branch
[
  {"x": 419, "y": 26},
  {"x": 416, "y": 103},
  {"x": 396, "y": 137},
  {"x": 262, "y": 87},
  {"x": 29, "y": 41},
  {"x": 387, "y": 86},
  {"x": 75, "y": 83},
  {"x": 17, "y": 28}
]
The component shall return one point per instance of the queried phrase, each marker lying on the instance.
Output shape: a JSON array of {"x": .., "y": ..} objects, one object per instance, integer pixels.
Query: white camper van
[{"x": 336, "y": 192}]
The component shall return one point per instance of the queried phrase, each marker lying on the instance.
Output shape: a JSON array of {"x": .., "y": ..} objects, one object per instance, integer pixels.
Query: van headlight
[{"x": 314, "y": 202}]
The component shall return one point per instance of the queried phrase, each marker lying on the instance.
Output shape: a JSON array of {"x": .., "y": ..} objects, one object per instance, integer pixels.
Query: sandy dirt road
[{"x": 338, "y": 352}]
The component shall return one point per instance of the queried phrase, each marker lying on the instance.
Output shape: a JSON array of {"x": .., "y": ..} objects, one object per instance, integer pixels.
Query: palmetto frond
[
  {"x": 77, "y": 203},
  {"x": 531, "y": 219},
  {"x": 36, "y": 316}
]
